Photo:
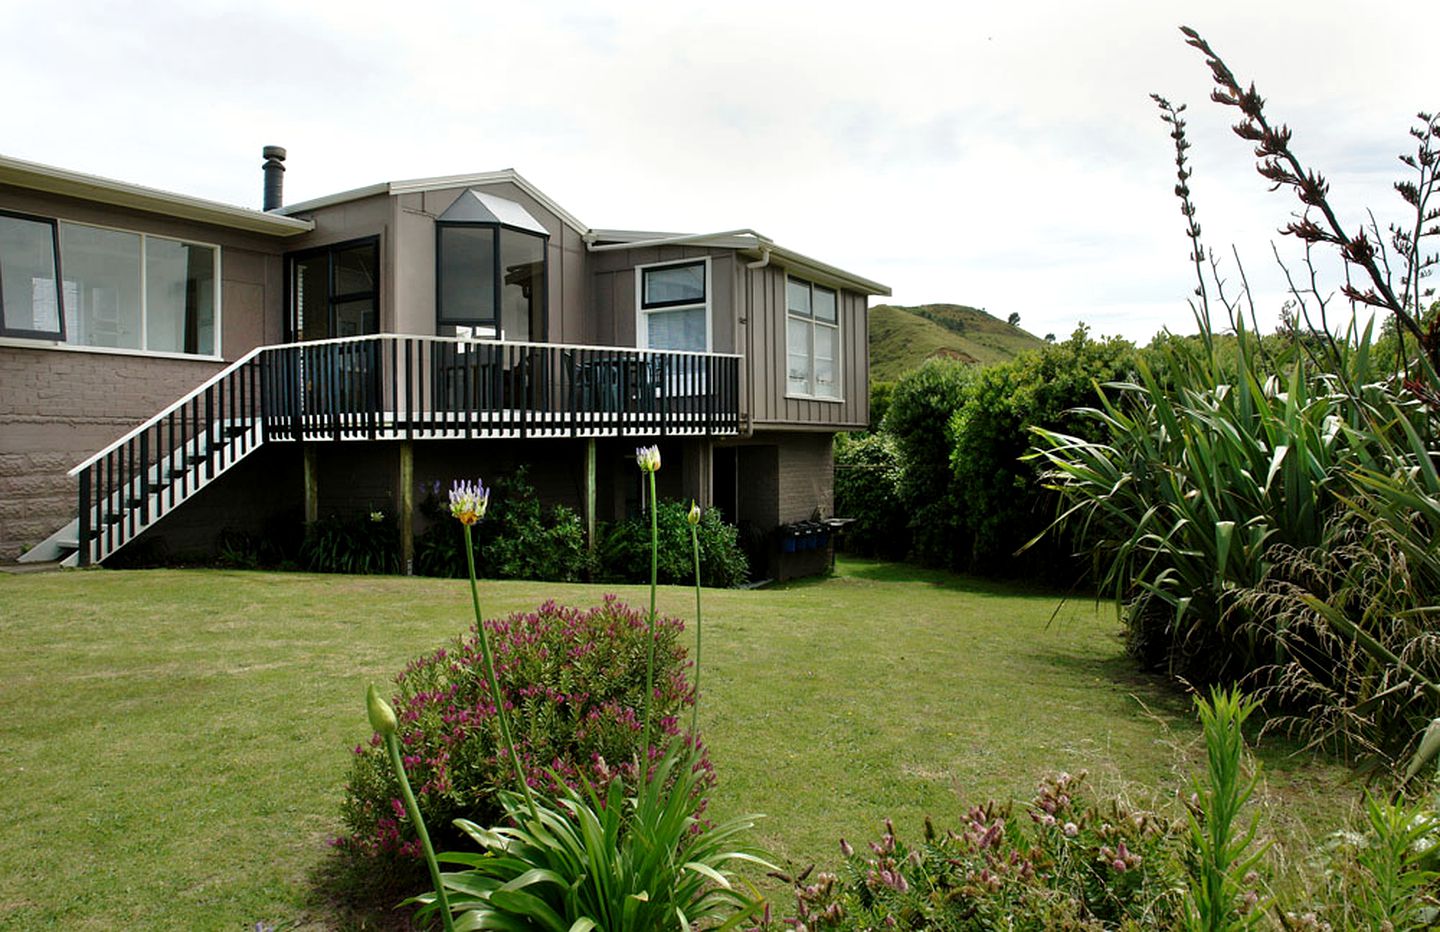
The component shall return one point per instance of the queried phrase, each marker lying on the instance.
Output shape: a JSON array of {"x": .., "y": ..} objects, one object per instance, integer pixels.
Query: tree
[{"x": 1014, "y": 319}]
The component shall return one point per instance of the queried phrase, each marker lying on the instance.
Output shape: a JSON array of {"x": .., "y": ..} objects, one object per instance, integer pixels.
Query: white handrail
[{"x": 228, "y": 370}]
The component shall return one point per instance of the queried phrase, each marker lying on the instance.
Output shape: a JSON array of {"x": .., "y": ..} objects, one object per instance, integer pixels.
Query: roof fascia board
[
  {"x": 439, "y": 183},
  {"x": 747, "y": 241},
  {"x": 37, "y": 177}
]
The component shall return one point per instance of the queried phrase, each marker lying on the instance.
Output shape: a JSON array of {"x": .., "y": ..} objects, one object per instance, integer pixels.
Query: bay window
[
  {"x": 490, "y": 265},
  {"x": 812, "y": 340}
]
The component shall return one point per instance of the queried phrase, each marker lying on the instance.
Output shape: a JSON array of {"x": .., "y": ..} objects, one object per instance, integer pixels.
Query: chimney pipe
[{"x": 274, "y": 169}]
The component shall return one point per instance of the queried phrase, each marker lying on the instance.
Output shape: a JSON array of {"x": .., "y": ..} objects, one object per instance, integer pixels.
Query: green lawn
[{"x": 174, "y": 742}]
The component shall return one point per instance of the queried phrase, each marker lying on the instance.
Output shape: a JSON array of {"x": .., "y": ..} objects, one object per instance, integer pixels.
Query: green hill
[{"x": 902, "y": 338}]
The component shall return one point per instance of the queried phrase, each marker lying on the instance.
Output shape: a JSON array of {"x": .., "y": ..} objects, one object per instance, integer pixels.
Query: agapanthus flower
[
  {"x": 648, "y": 458},
  {"x": 468, "y": 501},
  {"x": 694, "y": 516}
]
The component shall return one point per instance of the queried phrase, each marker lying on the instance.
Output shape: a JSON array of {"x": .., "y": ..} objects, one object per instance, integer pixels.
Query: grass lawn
[{"x": 174, "y": 742}]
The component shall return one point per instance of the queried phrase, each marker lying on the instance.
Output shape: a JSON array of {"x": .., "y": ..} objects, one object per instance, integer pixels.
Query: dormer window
[{"x": 490, "y": 269}]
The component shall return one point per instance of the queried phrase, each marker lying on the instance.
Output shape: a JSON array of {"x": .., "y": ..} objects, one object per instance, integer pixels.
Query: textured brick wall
[
  {"x": 807, "y": 476},
  {"x": 57, "y": 407}
]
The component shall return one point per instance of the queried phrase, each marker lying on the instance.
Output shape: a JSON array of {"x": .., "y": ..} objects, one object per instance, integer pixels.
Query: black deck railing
[{"x": 393, "y": 386}]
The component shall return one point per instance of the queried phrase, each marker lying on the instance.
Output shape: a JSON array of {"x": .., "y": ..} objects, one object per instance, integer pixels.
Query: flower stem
[
  {"x": 392, "y": 744},
  {"x": 493, "y": 683},
  {"x": 650, "y": 641},
  {"x": 695, "y": 709}
]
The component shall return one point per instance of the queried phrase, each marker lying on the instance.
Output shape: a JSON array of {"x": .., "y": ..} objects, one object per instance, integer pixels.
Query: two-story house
[{"x": 171, "y": 366}]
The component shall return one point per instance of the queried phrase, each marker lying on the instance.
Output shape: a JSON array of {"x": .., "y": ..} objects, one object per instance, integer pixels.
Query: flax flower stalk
[
  {"x": 467, "y": 504},
  {"x": 383, "y": 720},
  {"x": 648, "y": 459},
  {"x": 694, "y": 518}
]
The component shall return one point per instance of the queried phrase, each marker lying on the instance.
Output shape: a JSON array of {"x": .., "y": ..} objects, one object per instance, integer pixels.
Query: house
[{"x": 171, "y": 366}]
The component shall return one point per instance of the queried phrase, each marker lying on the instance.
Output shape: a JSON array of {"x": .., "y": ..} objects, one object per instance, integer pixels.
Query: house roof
[
  {"x": 36, "y": 177},
  {"x": 478, "y": 207},
  {"x": 284, "y": 222},
  {"x": 748, "y": 242},
  {"x": 439, "y": 183}
]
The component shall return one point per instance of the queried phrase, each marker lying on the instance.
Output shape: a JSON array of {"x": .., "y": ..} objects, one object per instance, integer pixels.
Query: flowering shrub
[
  {"x": 573, "y": 681},
  {"x": 1066, "y": 863}
]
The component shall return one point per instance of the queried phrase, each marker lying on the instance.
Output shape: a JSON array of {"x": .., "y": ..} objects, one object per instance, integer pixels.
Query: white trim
[
  {"x": 745, "y": 240},
  {"x": 440, "y": 183},
  {"x": 814, "y": 323},
  {"x": 34, "y": 176},
  {"x": 642, "y": 321},
  {"x": 50, "y": 345}
]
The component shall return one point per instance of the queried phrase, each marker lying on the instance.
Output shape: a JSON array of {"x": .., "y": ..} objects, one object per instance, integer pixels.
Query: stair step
[{"x": 68, "y": 543}]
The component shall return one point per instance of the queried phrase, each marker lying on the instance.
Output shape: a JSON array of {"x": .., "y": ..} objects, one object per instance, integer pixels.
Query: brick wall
[
  {"x": 57, "y": 407},
  {"x": 807, "y": 476}
]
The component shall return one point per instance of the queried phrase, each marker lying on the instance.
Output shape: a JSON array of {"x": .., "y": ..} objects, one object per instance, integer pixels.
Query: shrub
[
  {"x": 352, "y": 544},
  {"x": 625, "y": 549},
  {"x": 920, "y": 410},
  {"x": 1068, "y": 863},
  {"x": 1002, "y": 501},
  {"x": 517, "y": 540},
  {"x": 867, "y": 488},
  {"x": 575, "y": 680}
]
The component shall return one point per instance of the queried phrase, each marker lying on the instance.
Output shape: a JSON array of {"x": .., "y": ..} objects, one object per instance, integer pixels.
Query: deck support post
[
  {"x": 590, "y": 494},
  {"x": 406, "y": 499},
  {"x": 312, "y": 483}
]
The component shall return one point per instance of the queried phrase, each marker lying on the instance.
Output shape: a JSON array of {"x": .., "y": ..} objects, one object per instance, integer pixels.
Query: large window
[
  {"x": 118, "y": 289},
  {"x": 674, "y": 306},
  {"x": 812, "y": 340},
  {"x": 335, "y": 291}
]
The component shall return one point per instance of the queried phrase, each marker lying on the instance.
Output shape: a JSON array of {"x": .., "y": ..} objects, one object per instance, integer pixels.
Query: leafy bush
[
  {"x": 352, "y": 544},
  {"x": 920, "y": 410},
  {"x": 575, "y": 680},
  {"x": 867, "y": 488},
  {"x": 625, "y": 549},
  {"x": 517, "y": 539},
  {"x": 1003, "y": 503}
]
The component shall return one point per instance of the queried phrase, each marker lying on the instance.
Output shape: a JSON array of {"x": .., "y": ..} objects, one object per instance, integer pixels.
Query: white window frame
[
  {"x": 812, "y": 323},
  {"x": 642, "y": 314},
  {"x": 218, "y": 349}
]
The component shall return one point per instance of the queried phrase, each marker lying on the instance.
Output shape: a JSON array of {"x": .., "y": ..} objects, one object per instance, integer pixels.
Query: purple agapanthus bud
[
  {"x": 648, "y": 458},
  {"x": 468, "y": 501}
]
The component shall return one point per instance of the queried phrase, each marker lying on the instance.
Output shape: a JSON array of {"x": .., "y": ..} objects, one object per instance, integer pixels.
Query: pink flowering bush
[
  {"x": 573, "y": 681},
  {"x": 1066, "y": 862}
]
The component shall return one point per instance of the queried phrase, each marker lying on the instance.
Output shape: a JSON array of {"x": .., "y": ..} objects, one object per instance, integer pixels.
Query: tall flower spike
[
  {"x": 694, "y": 516},
  {"x": 468, "y": 501},
  {"x": 648, "y": 458}
]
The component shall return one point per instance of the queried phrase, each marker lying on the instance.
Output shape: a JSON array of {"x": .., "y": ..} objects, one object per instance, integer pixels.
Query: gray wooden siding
[
  {"x": 613, "y": 292},
  {"x": 766, "y": 363}
]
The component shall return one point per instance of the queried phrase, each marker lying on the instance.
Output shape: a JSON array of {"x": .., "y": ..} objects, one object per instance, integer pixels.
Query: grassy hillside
[{"x": 902, "y": 338}]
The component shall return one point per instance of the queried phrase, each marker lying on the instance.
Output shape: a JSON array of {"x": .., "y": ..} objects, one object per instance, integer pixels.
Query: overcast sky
[{"x": 1001, "y": 155}]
